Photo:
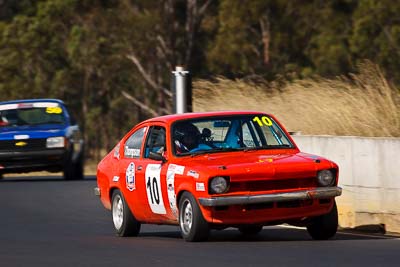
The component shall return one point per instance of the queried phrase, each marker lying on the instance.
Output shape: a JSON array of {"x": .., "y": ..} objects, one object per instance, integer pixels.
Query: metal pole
[{"x": 180, "y": 90}]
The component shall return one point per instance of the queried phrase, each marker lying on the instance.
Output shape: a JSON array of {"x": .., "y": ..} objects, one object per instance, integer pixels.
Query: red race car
[{"x": 214, "y": 170}]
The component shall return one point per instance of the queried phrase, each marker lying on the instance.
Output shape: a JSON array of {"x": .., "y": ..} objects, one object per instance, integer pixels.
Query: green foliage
[
  {"x": 328, "y": 48},
  {"x": 376, "y": 35},
  {"x": 233, "y": 50}
]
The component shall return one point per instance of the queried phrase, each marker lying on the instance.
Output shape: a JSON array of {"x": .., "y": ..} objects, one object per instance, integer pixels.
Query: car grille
[
  {"x": 267, "y": 185},
  {"x": 30, "y": 144}
]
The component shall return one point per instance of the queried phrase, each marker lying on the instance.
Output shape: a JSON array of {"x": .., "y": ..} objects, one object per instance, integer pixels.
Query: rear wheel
[
  {"x": 325, "y": 226},
  {"x": 192, "y": 224},
  {"x": 125, "y": 223}
]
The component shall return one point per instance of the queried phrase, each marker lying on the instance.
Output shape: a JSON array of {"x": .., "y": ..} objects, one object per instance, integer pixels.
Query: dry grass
[{"x": 363, "y": 105}]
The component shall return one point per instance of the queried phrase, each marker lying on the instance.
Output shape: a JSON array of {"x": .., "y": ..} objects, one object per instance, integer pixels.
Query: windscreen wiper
[
  {"x": 214, "y": 150},
  {"x": 267, "y": 147}
]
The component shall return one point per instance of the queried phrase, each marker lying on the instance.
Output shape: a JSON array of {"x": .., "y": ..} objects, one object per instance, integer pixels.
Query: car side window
[
  {"x": 155, "y": 141},
  {"x": 250, "y": 135},
  {"x": 134, "y": 143}
]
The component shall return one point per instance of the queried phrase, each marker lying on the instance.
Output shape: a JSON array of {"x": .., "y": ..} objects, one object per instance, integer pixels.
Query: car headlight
[
  {"x": 55, "y": 142},
  {"x": 325, "y": 178},
  {"x": 219, "y": 185}
]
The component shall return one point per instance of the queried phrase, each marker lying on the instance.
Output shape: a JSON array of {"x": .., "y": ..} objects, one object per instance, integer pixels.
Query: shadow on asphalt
[{"x": 275, "y": 234}]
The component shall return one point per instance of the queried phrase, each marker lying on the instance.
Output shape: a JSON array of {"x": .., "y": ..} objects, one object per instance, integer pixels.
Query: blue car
[{"x": 40, "y": 135}]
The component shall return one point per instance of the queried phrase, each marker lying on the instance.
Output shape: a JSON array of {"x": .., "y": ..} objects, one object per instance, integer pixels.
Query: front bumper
[
  {"x": 43, "y": 159},
  {"x": 317, "y": 193}
]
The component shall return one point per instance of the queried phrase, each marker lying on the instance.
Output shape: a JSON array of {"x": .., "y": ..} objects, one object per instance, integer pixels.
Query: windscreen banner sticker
[
  {"x": 28, "y": 105},
  {"x": 25, "y": 105},
  {"x": 45, "y": 105},
  {"x": 171, "y": 189},
  {"x": 153, "y": 189},
  {"x": 130, "y": 177},
  {"x": 8, "y": 106}
]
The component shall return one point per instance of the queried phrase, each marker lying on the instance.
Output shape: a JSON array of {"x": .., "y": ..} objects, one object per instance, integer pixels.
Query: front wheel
[
  {"x": 74, "y": 170},
  {"x": 325, "y": 226},
  {"x": 191, "y": 222},
  {"x": 125, "y": 223}
]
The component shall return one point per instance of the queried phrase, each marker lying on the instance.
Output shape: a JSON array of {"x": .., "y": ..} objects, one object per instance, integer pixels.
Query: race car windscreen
[
  {"x": 229, "y": 133},
  {"x": 13, "y": 115}
]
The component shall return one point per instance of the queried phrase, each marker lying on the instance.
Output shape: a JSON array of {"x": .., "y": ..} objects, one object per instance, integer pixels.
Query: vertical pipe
[{"x": 180, "y": 90}]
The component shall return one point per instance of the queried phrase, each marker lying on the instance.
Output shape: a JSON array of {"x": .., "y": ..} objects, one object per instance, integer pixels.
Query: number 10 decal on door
[{"x": 153, "y": 189}]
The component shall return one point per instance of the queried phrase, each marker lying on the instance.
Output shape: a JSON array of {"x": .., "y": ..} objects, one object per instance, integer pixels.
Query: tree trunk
[
  {"x": 84, "y": 98},
  {"x": 265, "y": 37}
]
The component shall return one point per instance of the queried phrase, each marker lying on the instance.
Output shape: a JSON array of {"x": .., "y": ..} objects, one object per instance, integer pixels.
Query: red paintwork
[{"x": 284, "y": 166}]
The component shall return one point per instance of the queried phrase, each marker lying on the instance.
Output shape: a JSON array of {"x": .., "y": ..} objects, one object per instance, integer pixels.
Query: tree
[
  {"x": 111, "y": 61},
  {"x": 169, "y": 40},
  {"x": 329, "y": 50},
  {"x": 261, "y": 37},
  {"x": 376, "y": 35}
]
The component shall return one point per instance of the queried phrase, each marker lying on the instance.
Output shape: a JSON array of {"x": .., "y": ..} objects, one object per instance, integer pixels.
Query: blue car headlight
[{"x": 55, "y": 142}]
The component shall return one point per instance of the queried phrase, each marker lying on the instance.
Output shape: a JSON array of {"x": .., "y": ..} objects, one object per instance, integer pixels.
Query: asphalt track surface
[{"x": 46, "y": 221}]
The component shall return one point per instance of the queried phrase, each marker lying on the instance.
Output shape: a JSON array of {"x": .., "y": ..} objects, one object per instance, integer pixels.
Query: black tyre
[
  {"x": 250, "y": 229},
  {"x": 325, "y": 226},
  {"x": 74, "y": 170},
  {"x": 191, "y": 221},
  {"x": 79, "y": 169},
  {"x": 125, "y": 223}
]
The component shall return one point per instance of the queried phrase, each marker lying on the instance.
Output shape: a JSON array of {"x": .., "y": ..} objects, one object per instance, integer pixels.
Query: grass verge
[{"x": 362, "y": 104}]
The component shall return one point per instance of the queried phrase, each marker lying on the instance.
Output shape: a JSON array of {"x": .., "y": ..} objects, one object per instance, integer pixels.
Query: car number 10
[{"x": 153, "y": 188}]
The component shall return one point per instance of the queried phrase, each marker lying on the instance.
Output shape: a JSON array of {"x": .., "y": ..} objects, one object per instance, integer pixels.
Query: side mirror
[{"x": 157, "y": 156}]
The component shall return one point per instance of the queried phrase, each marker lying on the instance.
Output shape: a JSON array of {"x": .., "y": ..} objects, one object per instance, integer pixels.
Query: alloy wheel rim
[
  {"x": 186, "y": 219},
  {"x": 118, "y": 212}
]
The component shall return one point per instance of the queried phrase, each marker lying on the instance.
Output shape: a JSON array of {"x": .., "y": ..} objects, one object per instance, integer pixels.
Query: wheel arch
[
  {"x": 182, "y": 188},
  {"x": 206, "y": 211},
  {"x": 179, "y": 196},
  {"x": 111, "y": 192}
]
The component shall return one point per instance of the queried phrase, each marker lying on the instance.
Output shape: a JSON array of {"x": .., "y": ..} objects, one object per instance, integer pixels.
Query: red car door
[
  {"x": 154, "y": 173},
  {"x": 130, "y": 169}
]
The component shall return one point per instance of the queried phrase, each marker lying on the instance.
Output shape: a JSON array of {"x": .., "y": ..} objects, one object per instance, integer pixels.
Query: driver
[{"x": 187, "y": 137}]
